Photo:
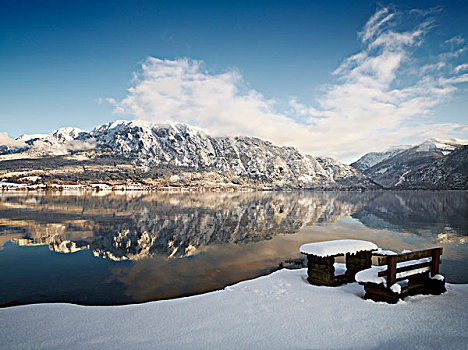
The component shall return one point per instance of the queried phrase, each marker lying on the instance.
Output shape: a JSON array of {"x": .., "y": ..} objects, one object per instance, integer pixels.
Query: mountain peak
[
  {"x": 67, "y": 133},
  {"x": 438, "y": 145},
  {"x": 146, "y": 125}
]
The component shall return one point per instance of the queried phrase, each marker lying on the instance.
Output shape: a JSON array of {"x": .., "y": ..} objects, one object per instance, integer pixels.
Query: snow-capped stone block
[{"x": 337, "y": 247}]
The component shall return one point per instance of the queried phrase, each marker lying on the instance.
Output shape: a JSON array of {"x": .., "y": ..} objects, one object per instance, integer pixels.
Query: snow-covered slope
[
  {"x": 31, "y": 137},
  {"x": 344, "y": 175},
  {"x": 60, "y": 142},
  {"x": 392, "y": 171},
  {"x": 370, "y": 159},
  {"x": 440, "y": 146},
  {"x": 450, "y": 172},
  {"x": 179, "y": 147},
  {"x": 278, "y": 311}
]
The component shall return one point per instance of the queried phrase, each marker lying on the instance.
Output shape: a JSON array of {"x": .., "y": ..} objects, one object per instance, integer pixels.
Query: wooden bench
[{"x": 405, "y": 274}]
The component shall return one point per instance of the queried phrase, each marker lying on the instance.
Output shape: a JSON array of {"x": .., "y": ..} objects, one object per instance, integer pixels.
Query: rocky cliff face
[
  {"x": 449, "y": 172},
  {"x": 430, "y": 165},
  {"x": 164, "y": 151}
]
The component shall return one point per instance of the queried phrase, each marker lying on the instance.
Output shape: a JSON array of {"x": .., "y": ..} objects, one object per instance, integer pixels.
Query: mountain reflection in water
[{"x": 185, "y": 243}]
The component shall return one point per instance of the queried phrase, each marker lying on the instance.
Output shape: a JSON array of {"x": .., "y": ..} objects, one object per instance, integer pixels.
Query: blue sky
[{"x": 274, "y": 63}]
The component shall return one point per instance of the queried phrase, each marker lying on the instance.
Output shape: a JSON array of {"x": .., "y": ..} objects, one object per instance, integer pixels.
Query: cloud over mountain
[{"x": 381, "y": 95}]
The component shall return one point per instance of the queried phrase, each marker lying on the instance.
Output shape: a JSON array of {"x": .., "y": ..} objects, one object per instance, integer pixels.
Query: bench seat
[{"x": 405, "y": 274}]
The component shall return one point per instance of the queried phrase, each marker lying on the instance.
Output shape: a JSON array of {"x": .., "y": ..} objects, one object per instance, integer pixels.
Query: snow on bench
[
  {"x": 371, "y": 275},
  {"x": 404, "y": 274},
  {"x": 321, "y": 266},
  {"x": 337, "y": 247}
]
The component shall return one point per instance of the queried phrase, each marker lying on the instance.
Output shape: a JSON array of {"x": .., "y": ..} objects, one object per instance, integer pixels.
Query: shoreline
[
  {"x": 139, "y": 187},
  {"x": 280, "y": 310}
]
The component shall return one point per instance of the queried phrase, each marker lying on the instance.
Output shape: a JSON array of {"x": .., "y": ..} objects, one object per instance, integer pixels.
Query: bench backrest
[{"x": 392, "y": 260}]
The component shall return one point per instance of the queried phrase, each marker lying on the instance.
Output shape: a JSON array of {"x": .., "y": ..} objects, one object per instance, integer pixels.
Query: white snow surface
[
  {"x": 278, "y": 311},
  {"x": 340, "y": 246},
  {"x": 438, "y": 277},
  {"x": 381, "y": 251},
  {"x": 396, "y": 288}
]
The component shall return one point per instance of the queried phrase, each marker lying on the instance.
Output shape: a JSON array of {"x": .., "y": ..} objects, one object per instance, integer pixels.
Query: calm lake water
[{"x": 109, "y": 248}]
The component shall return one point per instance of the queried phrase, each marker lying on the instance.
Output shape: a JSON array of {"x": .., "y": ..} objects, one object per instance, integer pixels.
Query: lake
[{"x": 117, "y": 248}]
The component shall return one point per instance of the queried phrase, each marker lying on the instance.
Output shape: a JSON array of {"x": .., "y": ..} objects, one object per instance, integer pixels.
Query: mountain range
[
  {"x": 153, "y": 155},
  {"x": 175, "y": 155},
  {"x": 433, "y": 164}
]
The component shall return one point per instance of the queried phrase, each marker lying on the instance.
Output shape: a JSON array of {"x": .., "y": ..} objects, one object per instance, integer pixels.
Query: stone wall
[
  {"x": 358, "y": 262},
  {"x": 321, "y": 270}
]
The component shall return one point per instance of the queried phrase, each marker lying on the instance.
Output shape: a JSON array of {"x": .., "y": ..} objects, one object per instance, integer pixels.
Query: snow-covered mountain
[
  {"x": 423, "y": 159},
  {"x": 370, "y": 159},
  {"x": 60, "y": 142},
  {"x": 449, "y": 172},
  {"x": 143, "y": 150}
]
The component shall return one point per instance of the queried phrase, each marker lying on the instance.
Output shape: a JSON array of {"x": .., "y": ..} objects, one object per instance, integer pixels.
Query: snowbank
[
  {"x": 279, "y": 311},
  {"x": 329, "y": 248}
]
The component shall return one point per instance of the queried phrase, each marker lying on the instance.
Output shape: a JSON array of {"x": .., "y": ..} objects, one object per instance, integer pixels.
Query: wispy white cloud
[
  {"x": 461, "y": 67},
  {"x": 368, "y": 107},
  {"x": 184, "y": 91},
  {"x": 456, "y": 40}
]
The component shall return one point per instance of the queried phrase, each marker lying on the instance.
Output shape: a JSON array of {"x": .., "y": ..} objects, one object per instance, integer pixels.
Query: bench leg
[{"x": 378, "y": 292}]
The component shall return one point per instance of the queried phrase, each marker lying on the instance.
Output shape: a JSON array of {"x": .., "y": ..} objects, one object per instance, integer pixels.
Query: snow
[
  {"x": 402, "y": 178},
  {"x": 219, "y": 159},
  {"x": 340, "y": 268},
  {"x": 396, "y": 288},
  {"x": 371, "y": 275},
  {"x": 31, "y": 178},
  {"x": 13, "y": 173},
  {"x": 438, "y": 277},
  {"x": 370, "y": 159},
  {"x": 381, "y": 251},
  {"x": 341, "y": 246},
  {"x": 26, "y": 137},
  {"x": 278, "y": 311}
]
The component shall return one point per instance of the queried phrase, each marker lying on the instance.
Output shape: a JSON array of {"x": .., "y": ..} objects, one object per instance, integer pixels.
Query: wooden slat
[
  {"x": 391, "y": 269},
  {"x": 413, "y": 266},
  {"x": 392, "y": 260},
  {"x": 408, "y": 268},
  {"x": 412, "y": 286},
  {"x": 436, "y": 253},
  {"x": 381, "y": 260},
  {"x": 344, "y": 275},
  {"x": 414, "y": 276},
  {"x": 414, "y": 255}
]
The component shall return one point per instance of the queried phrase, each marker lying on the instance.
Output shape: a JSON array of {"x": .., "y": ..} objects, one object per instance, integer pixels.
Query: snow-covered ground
[{"x": 278, "y": 311}]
